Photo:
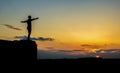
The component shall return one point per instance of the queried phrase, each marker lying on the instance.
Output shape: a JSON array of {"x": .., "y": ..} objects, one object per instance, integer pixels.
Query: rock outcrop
[{"x": 18, "y": 51}]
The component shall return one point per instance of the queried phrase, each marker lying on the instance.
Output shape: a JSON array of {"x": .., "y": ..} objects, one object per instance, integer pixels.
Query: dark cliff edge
[{"x": 18, "y": 51}]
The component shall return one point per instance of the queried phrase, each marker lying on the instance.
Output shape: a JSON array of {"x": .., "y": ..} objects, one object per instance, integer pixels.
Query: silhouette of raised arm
[
  {"x": 23, "y": 21},
  {"x": 35, "y": 18}
]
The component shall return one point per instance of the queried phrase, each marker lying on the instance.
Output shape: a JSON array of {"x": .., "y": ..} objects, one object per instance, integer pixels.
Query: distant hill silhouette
[
  {"x": 80, "y": 61},
  {"x": 18, "y": 51}
]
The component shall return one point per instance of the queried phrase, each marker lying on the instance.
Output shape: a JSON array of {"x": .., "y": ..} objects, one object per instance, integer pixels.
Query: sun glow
[{"x": 97, "y": 56}]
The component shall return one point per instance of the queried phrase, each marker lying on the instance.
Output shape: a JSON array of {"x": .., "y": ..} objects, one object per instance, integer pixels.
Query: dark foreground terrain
[
  {"x": 25, "y": 52},
  {"x": 81, "y": 65},
  {"x": 80, "y": 61}
]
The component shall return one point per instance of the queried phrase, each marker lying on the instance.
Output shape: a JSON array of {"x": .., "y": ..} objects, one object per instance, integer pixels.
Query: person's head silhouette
[{"x": 29, "y": 17}]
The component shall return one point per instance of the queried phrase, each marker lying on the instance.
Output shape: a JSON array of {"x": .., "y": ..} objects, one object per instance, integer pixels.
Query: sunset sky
[{"x": 79, "y": 28}]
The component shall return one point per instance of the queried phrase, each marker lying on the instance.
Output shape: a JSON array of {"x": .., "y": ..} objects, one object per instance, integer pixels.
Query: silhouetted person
[{"x": 29, "y": 26}]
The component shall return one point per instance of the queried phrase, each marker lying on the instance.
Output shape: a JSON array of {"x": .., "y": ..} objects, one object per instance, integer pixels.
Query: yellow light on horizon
[{"x": 94, "y": 50}]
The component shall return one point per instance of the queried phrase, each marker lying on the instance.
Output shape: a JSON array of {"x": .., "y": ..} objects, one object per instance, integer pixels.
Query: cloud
[
  {"x": 78, "y": 50},
  {"x": 12, "y": 27},
  {"x": 65, "y": 51},
  {"x": 57, "y": 54},
  {"x": 85, "y": 45},
  {"x": 71, "y": 50},
  {"x": 49, "y": 48},
  {"x": 92, "y": 46},
  {"x": 112, "y": 51},
  {"x": 45, "y": 39},
  {"x": 45, "y": 54},
  {"x": 34, "y": 38},
  {"x": 42, "y": 54}
]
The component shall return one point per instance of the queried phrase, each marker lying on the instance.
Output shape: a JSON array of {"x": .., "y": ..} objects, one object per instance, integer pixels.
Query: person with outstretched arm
[{"x": 29, "y": 26}]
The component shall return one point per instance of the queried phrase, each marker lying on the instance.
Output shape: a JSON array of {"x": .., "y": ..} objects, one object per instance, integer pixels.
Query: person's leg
[
  {"x": 28, "y": 36},
  {"x": 29, "y": 33}
]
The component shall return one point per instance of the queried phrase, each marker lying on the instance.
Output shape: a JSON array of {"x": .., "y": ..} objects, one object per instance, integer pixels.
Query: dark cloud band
[
  {"x": 12, "y": 27},
  {"x": 34, "y": 38}
]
